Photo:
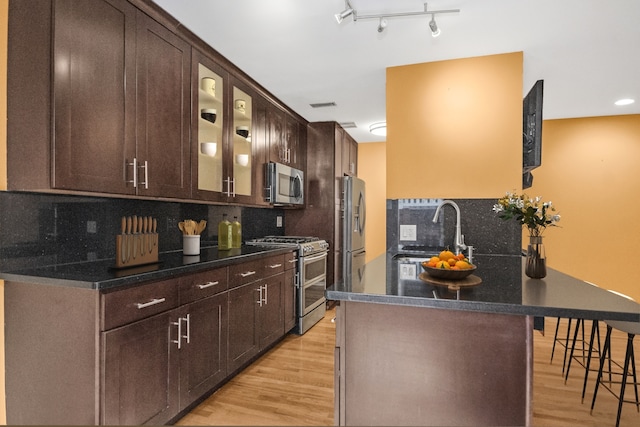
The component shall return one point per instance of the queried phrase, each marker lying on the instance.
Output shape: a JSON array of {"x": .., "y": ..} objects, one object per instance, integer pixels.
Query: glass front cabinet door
[
  {"x": 223, "y": 160},
  {"x": 242, "y": 151}
]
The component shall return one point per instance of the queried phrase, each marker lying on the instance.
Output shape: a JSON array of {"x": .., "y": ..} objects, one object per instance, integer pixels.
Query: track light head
[
  {"x": 345, "y": 13},
  {"x": 382, "y": 24},
  {"x": 435, "y": 31}
]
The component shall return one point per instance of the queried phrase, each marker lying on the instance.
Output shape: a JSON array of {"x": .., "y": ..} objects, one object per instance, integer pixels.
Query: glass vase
[{"x": 536, "y": 262}]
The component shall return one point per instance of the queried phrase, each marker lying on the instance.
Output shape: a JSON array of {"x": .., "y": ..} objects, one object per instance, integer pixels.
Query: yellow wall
[
  {"x": 590, "y": 172},
  {"x": 4, "y": 12},
  {"x": 372, "y": 169},
  {"x": 454, "y": 128}
]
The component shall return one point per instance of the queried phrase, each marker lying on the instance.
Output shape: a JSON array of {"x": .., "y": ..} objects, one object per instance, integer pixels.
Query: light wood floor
[{"x": 293, "y": 385}]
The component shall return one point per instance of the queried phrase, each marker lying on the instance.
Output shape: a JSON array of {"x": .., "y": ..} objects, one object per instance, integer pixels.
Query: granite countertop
[
  {"x": 390, "y": 279},
  {"x": 102, "y": 275}
]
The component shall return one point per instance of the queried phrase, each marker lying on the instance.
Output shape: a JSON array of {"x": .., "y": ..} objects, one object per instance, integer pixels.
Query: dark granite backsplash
[
  {"x": 48, "y": 229},
  {"x": 481, "y": 227}
]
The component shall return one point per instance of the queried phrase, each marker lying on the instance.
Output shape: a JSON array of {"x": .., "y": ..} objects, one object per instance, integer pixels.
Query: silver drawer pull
[
  {"x": 275, "y": 265},
  {"x": 293, "y": 261},
  {"x": 150, "y": 303},
  {"x": 248, "y": 273},
  {"x": 208, "y": 285}
]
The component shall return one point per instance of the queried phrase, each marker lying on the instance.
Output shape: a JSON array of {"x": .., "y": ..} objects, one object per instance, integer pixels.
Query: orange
[
  {"x": 460, "y": 256},
  {"x": 446, "y": 254},
  {"x": 452, "y": 261},
  {"x": 444, "y": 265},
  {"x": 463, "y": 265},
  {"x": 434, "y": 259}
]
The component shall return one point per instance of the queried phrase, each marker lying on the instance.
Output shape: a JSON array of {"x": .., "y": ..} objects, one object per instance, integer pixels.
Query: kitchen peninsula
[{"x": 409, "y": 353}]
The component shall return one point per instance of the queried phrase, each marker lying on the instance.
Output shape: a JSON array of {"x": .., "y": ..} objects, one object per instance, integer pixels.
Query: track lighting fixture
[
  {"x": 348, "y": 10},
  {"x": 435, "y": 31},
  {"x": 382, "y": 17},
  {"x": 382, "y": 24}
]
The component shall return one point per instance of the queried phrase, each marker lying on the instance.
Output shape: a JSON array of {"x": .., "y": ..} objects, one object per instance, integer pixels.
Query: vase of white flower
[
  {"x": 536, "y": 216},
  {"x": 536, "y": 261}
]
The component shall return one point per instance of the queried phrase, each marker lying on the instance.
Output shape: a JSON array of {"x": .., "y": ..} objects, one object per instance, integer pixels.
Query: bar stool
[
  {"x": 563, "y": 342},
  {"x": 585, "y": 347},
  {"x": 631, "y": 329}
]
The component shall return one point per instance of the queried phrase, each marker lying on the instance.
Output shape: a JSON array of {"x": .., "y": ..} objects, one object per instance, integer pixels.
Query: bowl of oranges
[{"x": 448, "y": 266}]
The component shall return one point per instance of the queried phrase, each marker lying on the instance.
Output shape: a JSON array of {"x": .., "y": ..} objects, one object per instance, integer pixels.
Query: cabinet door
[
  {"x": 140, "y": 372},
  {"x": 270, "y": 319},
  {"x": 209, "y": 131},
  {"x": 242, "y": 161},
  {"x": 260, "y": 141},
  {"x": 243, "y": 312},
  {"x": 349, "y": 155},
  {"x": 163, "y": 111},
  {"x": 203, "y": 359},
  {"x": 276, "y": 125},
  {"x": 94, "y": 109},
  {"x": 295, "y": 144}
]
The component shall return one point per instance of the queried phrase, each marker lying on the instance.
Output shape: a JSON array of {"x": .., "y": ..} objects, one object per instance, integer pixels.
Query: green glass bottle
[
  {"x": 224, "y": 234},
  {"x": 236, "y": 232}
]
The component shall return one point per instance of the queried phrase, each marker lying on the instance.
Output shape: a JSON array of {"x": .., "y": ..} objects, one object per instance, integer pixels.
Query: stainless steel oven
[{"x": 311, "y": 276}]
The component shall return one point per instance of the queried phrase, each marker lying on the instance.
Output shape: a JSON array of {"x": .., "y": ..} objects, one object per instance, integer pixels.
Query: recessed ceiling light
[{"x": 625, "y": 101}]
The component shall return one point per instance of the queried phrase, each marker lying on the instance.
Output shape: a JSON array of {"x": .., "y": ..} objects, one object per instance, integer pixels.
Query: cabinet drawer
[
  {"x": 129, "y": 305},
  {"x": 273, "y": 265},
  {"x": 204, "y": 284},
  {"x": 246, "y": 272},
  {"x": 290, "y": 260}
]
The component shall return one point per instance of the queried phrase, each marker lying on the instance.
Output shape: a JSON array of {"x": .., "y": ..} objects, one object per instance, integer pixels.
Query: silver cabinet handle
[
  {"x": 293, "y": 261},
  {"x": 134, "y": 164},
  {"x": 188, "y": 322},
  {"x": 179, "y": 340},
  {"x": 265, "y": 294},
  {"x": 275, "y": 265},
  {"x": 150, "y": 303},
  {"x": 208, "y": 285},
  {"x": 248, "y": 273},
  {"x": 146, "y": 174},
  {"x": 260, "y": 297}
]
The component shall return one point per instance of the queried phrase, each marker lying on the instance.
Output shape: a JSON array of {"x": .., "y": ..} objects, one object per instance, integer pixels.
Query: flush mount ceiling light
[
  {"x": 382, "y": 17},
  {"x": 625, "y": 101},
  {"x": 379, "y": 128}
]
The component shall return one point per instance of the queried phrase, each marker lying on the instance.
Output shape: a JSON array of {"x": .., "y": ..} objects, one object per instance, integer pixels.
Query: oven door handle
[{"x": 314, "y": 258}]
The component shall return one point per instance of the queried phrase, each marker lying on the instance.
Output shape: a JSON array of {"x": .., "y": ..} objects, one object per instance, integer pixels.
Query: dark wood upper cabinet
[
  {"x": 104, "y": 97},
  {"x": 163, "y": 88},
  {"x": 94, "y": 58}
]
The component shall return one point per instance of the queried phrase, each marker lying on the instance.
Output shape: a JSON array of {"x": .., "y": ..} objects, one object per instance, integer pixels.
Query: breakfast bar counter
[{"x": 410, "y": 353}]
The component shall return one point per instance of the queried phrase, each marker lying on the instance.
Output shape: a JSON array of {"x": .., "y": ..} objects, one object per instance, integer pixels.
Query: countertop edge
[
  {"x": 137, "y": 274},
  {"x": 485, "y": 307}
]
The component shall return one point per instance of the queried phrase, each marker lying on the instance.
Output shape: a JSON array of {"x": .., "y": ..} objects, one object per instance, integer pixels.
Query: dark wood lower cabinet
[
  {"x": 255, "y": 318},
  {"x": 141, "y": 372},
  {"x": 203, "y": 360},
  {"x": 139, "y": 355},
  {"x": 289, "y": 298}
]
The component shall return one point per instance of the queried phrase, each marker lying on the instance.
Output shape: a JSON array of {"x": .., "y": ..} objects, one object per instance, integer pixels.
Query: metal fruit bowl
[{"x": 442, "y": 273}]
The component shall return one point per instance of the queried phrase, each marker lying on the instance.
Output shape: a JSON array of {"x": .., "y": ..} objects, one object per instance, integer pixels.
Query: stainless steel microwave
[{"x": 285, "y": 185}]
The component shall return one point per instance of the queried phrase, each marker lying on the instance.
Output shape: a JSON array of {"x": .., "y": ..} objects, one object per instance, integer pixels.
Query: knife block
[{"x": 136, "y": 249}]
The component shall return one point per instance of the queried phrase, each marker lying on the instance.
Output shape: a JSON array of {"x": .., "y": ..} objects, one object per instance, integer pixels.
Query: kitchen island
[{"x": 409, "y": 353}]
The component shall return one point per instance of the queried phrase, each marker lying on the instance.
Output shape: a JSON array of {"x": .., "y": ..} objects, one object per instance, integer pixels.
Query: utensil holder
[{"x": 191, "y": 244}]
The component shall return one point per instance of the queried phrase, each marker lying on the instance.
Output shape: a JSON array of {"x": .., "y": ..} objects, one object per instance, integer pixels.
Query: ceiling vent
[
  {"x": 347, "y": 125},
  {"x": 323, "y": 104}
]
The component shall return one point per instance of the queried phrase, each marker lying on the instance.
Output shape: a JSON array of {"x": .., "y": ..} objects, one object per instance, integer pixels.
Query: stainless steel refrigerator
[{"x": 353, "y": 230}]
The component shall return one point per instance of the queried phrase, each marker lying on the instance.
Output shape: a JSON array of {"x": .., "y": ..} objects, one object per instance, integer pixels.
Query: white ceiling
[{"x": 586, "y": 51}]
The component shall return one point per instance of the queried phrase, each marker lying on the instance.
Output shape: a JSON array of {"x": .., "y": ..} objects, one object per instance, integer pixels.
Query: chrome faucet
[{"x": 459, "y": 238}]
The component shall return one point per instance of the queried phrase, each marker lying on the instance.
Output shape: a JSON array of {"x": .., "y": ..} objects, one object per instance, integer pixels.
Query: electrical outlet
[
  {"x": 92, "y": 227},
  {"x": 408, "y": 271},
  {"x": 408, "y": 232},
  {"x": 278, "y": 221}
]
